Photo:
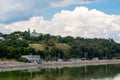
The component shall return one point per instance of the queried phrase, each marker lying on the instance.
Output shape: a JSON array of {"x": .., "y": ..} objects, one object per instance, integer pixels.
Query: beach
[{"x": 10, "y": 66}]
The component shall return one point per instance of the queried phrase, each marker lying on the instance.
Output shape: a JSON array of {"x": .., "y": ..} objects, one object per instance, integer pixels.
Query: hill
[{"x": 51, "y": 47}]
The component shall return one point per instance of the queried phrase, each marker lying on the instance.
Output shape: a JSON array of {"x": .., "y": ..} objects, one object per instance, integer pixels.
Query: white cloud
[
  {"x": 3, "y": 29},
  {"x": 16, "y": 10},
  {"x": 13, "y": 10},
  {"x": 79, "y": 22},
  {"x": 63, "y": 3}
]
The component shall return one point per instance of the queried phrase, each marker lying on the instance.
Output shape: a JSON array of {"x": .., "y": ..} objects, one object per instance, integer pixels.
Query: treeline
[{"x": 54, "y": 47}]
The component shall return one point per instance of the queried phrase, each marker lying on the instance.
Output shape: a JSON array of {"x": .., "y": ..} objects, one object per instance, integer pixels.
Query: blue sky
[
  {"x": 111, "y": 7},
  {"x": 107, "y": 6},
  {"x": 84, "y": 18},
  {"x": 23, "y": 10}
]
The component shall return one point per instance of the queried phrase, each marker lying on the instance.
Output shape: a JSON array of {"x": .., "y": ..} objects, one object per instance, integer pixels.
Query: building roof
[{"x": 32, "y": 57}]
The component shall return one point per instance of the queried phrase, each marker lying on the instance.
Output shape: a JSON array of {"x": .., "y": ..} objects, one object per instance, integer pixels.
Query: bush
[{"x": 21, "y": 59}]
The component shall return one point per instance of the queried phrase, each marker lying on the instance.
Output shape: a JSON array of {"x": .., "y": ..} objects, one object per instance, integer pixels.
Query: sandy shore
[{"x": 9, "y": 66}]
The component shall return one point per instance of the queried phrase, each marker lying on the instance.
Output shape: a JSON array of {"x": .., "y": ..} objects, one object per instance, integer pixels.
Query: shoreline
[{"x": 11, "y": 66}]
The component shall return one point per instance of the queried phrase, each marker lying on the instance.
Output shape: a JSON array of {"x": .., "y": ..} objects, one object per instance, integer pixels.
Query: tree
[{"x": 31, "y": 51}]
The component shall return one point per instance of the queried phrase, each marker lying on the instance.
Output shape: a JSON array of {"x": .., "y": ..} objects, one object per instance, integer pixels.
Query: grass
[
  {"x": 37, "y": 47},
  {"x": 63, "y": 46},
  {"x": 41, "y": 47}
]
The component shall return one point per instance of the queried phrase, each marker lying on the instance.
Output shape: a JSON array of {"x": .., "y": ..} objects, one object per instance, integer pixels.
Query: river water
[{"x": 99, "y": 72}]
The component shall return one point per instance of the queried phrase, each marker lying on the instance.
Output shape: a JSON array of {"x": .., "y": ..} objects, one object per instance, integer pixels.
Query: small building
[
  {"x": 95, "y": 58},
  {"x": 2, "y": 39},
  {"x": 33, "y": 58},
  {"x": 20, "y": 37}
]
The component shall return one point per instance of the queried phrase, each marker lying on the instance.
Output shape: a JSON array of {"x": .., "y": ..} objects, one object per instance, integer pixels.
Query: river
[{"x": 98, "y": 72}]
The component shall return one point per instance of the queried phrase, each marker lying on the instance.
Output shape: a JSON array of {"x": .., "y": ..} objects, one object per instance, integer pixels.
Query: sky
[{"x": 83, "y": 18}]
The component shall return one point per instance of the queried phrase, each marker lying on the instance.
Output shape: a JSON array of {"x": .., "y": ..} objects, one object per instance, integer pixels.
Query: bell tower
[{"x": 29, "y": 31}]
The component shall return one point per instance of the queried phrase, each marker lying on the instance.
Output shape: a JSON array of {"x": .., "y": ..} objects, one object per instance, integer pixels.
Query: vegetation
[{"x": 51, "y": 47}]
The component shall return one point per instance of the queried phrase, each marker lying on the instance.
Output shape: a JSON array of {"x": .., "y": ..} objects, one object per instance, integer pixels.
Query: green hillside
[{"x": 50, "y": 47}]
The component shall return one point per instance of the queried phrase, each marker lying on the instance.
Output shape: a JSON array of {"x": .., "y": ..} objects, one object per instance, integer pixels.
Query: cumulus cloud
[
  {"x": 3, "y": 29},
  {"x": 13, "y": 10},
  {"x": 16, "y": 10},
  {"x": 63, "y": 3},
  {"x": 79, "y": 22}
]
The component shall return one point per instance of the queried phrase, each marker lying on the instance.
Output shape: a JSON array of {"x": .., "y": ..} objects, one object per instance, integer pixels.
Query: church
[{"x": 33, "y": 33}]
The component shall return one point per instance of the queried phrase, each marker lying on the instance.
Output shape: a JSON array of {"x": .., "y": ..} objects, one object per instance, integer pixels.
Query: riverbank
[{"x": 10, "y": 66}]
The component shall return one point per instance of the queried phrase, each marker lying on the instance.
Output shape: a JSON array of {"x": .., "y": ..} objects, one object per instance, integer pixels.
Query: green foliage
[
  {"x": 54, "y": 47},
  {"x": 21, "y": 59},
  {"x": 31, "y": 51}
]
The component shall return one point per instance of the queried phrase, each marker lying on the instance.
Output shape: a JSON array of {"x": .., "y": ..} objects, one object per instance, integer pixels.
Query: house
[
  {"x": 20, "y": 37},
  {"x": 33, "y": 58},
  {"x": 2, "y": 39}
]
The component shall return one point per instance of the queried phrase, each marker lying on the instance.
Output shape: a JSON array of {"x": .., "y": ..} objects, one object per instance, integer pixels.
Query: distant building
[
  {"x": 35, "y": 34},
  {"x": 20, "y": 38},
  {"x": 116, "y": 57},
  {"x": 33, "y": 58},
  {"x": 95, "y": 58},
  {"x": 2, "y": 39}
]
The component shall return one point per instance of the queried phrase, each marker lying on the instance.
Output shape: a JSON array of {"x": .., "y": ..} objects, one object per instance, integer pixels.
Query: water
[{"x": 104, "y": 72}]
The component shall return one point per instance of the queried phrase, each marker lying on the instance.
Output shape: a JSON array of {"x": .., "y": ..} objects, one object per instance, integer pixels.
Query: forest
[{"x": 51, "y": 47}]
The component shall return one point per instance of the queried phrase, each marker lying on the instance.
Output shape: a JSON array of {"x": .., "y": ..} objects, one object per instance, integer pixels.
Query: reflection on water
[{"x": 106, "y": 72}]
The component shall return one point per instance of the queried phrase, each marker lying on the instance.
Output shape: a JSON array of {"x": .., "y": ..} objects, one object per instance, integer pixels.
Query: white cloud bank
[{"x": 79, "y": 22}]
